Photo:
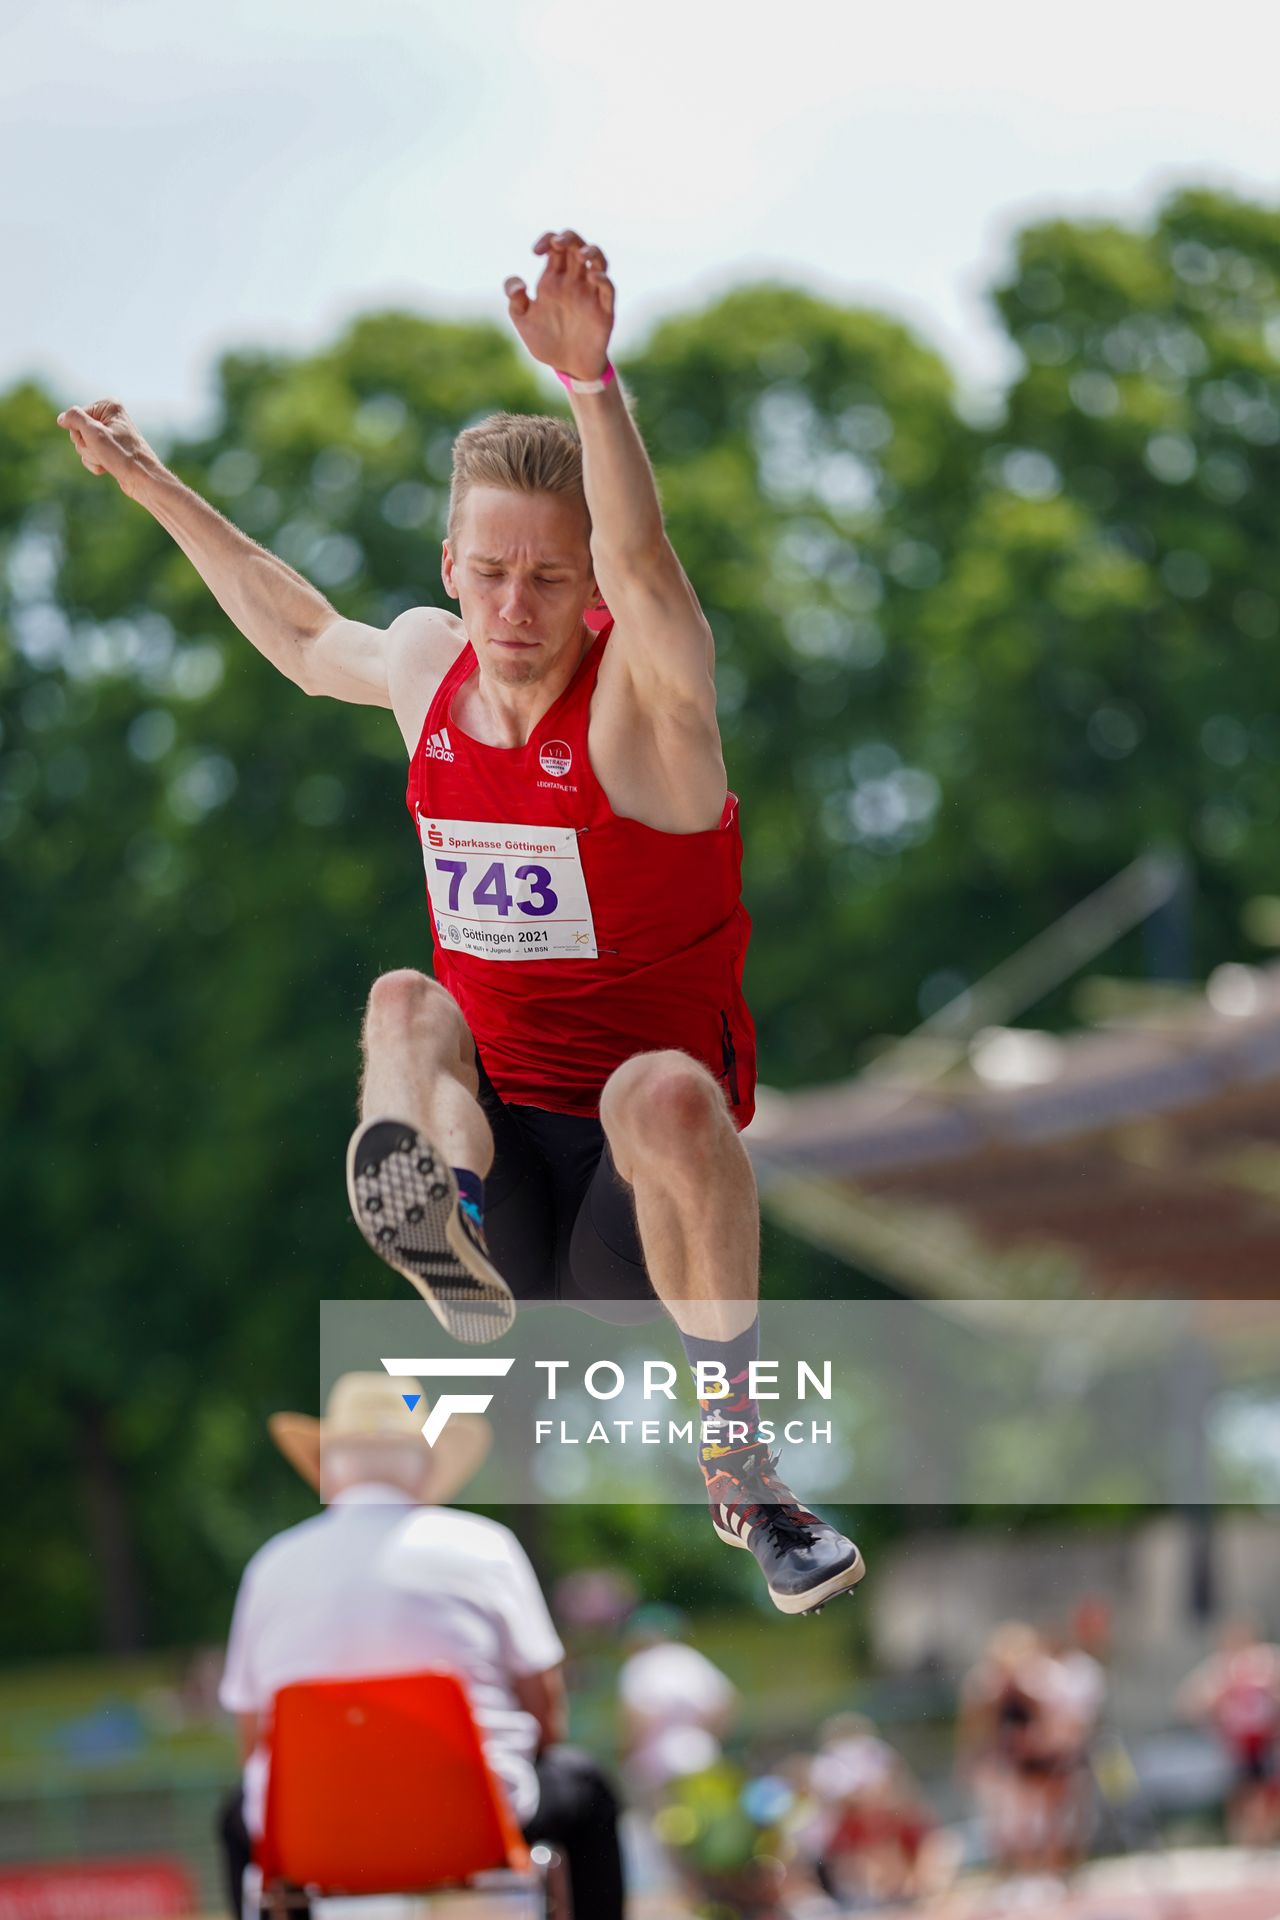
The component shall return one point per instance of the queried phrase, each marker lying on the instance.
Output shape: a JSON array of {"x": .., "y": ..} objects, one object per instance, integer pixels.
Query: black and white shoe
[
  {"x": 804, "y": 1560},
  {"x": 405, "y": 1201}
]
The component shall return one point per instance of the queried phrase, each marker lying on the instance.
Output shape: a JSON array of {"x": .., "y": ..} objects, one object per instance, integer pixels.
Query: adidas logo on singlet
[{"x": 438, "y": 746}]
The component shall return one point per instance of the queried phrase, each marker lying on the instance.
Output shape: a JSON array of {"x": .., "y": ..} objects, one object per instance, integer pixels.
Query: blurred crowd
[
  {"x": 819, "y": 1829},
  {"x": 848, "y": 1824}
]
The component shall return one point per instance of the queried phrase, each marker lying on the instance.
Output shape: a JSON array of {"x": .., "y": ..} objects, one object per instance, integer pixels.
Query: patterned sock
[
  {"x": 729, "y": 1420},
  {"x": 470, "y": 1194}
]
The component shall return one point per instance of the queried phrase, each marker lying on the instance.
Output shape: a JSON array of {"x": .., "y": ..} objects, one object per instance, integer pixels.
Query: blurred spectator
[
  {"x": 379, "y": 1583},
  {"x": 872, "y": 1827},
  {"x": 676, "y": 1705},
  {"x": 1026, "y": 1720},
  {"x": 1081, "y": 1678},
  {"x": 1237, "y": 1692}
]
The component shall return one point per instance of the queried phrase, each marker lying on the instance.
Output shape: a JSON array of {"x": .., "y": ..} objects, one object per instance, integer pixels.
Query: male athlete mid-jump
[{"x": 556, "y": 1114}]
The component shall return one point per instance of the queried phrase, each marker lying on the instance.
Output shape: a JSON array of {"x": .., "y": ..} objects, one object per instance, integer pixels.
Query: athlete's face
[{"x": 520, "y": 567}]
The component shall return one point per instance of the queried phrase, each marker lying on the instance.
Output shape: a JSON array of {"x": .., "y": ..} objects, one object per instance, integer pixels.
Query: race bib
[{"x": 507, "y": 893}]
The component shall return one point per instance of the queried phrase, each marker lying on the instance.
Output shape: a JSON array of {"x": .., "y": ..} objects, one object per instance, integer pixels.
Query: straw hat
[{"x": 369, "y": 1408}]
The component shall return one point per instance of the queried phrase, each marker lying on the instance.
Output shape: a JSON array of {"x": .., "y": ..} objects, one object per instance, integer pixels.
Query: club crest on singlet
[
  {"x": 556, "y": 757},
  {"x": 507, "y": 892}
]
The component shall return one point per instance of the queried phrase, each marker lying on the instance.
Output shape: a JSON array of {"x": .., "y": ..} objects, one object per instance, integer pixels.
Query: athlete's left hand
[{"x": 567, "y": 322}]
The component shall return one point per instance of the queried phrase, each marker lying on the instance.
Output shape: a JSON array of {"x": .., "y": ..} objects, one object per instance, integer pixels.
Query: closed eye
[{"x": 541, "y": 579}]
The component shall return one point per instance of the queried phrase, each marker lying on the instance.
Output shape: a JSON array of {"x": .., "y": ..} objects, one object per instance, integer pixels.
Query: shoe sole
[
  {"x": 795, "y": 1603},
  {"x": 405, "y": 1202}
]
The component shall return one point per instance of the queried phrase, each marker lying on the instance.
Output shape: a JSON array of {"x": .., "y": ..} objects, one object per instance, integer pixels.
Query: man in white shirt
[{"x": 379, "y": 1583}]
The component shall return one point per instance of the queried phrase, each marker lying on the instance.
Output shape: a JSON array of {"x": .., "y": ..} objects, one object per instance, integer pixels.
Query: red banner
[{"x": 120, "y": 1889}]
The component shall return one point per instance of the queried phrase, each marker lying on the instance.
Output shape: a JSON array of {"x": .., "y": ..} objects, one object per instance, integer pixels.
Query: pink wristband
[{"x": 587, "y": 386}]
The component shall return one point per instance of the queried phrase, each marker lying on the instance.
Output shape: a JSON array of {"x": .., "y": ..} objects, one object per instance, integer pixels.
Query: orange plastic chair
[{"x": 380, "y": 1785}]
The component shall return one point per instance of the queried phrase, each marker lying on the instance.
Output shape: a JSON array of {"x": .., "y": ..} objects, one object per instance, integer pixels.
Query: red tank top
[{"x": 571, "y": 937}]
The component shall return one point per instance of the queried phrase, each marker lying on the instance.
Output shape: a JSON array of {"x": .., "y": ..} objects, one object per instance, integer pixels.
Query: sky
[{"x": 182, "y": 179}]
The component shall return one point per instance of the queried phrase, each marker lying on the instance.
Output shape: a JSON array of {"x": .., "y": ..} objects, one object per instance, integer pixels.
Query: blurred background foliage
[{"x": 969, "y": 667}]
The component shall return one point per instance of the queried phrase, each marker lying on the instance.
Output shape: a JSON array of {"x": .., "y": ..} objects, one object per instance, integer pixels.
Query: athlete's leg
[
  {"x": 416, "y": 1163},
  {"x": 673, "y": 1139},
  {"x": 419, "y": 1064}
]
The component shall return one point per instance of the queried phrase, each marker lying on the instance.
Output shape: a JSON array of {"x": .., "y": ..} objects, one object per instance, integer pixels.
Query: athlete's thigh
[{"x": 519, "y": 1203}]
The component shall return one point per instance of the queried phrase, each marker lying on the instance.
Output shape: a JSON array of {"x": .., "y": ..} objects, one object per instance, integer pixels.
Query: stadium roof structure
[{"x": 1139, "y": 1157}]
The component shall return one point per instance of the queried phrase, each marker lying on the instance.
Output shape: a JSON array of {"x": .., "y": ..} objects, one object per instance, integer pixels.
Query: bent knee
[
  {"x": 404, "y": 992},
  {"x": 662, "y": 1098},
  {"x": 405, "y": 998}
]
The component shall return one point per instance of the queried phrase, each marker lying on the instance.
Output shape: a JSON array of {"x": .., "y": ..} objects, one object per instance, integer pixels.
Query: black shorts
[{"x": 559, "y": 1218}]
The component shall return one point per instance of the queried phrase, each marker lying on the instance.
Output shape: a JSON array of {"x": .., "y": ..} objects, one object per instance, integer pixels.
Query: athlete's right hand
[{"x": 108, "y": 442}]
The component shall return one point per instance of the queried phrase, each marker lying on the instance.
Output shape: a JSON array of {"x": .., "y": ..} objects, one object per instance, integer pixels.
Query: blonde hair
[{"x": 524, "y": 452}]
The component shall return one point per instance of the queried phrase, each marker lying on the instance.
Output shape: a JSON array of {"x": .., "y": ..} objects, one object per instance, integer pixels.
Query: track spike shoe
[
  {"x": 405, "y": 1201},
  {"x": 805, "y": 1562}
]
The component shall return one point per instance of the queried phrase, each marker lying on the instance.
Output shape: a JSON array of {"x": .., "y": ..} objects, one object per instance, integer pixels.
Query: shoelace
[
  {"x": 785, "y": 1530},
  {"x": 783, "y": 1518}
]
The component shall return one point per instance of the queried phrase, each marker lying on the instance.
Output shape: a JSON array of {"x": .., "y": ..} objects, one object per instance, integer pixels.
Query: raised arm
[
  {"x": 277, "y": 611},
  {"x": 660, "y": 625}
]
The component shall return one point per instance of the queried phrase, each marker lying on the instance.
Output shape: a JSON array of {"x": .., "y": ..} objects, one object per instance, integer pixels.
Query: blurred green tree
[{"x": 1102, "y": 650}]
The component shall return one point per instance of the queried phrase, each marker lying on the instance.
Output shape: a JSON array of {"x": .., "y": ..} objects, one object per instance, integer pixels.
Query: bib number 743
[
  {"x": 507, "y": 892},
  {"x": 491, "y": 889}
]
